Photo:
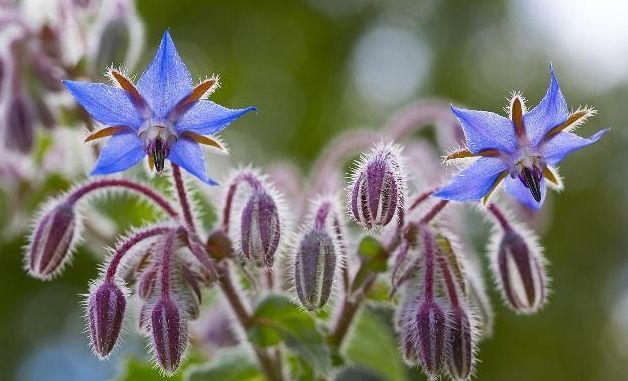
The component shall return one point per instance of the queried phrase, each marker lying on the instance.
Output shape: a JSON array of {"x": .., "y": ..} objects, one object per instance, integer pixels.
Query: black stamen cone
[
  {"x": 159, "y": 155},
  {"x": 533, "y": 183}
]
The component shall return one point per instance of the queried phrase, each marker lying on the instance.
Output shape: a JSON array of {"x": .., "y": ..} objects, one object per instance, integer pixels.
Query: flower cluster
[{"x": 408, "y": 239}]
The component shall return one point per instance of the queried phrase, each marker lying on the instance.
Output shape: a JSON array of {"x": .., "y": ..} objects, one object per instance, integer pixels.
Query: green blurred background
[{"x": 317, "y": 67}]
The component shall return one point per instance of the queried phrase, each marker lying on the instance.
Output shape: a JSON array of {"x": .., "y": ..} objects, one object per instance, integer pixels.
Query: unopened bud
[
  {"x": 19, "y": 123},
  {"x": 378, "y": 187},
  {"x": 520, "y": 272},
  {"x": 219, "y": 245},
  {"x": 169, "y": 334},
  {"x": 52, "y": 241},
  {"x": 460, "y": 346},
  {"x": 314, "y": 268},
  {"x": 260, "y": 228},
  {"x": 430, "y": 336},
  {"x": 105, "y": 312}
]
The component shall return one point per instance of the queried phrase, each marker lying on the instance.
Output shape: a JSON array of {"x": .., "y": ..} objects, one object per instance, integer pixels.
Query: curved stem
[
  {"x": 129, "y": 243},
  {"x": 168, "y": 249},
  {"x": 421, "y": 198},
  {"x": 183, "y": 198},
  {"x": 417, "y": 116},
  {"x": 428, "y": 244},
  {"x": 500, "y": 217},
  {"x": 141, "y": 189},
  {"x": 429, "y": 216},
  {"x": 251, "y": 180}
]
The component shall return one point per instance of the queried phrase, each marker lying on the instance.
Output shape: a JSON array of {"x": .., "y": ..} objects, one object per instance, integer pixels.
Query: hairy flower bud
[
  {"x": 113, "y": 44},
  {"x": 105, "y": 312},
  {"x": 52, "y": 241},
  {"x": 260, "y": 228},
  {"x": 378, "y": 188},
  {"x": 169, "y": 334},
  {"x": 520, "y": 272},
  {"x": 430, "y": 334},
  {"x": 314, "y": 268},
  {"x": 460, "y": 344}
]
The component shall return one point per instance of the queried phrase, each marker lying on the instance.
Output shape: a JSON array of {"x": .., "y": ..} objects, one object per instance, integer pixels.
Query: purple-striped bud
[
  {"x": 378, "y": 187},
  {"x": 19, "y": 124},
  {"x": 169, "y": 334},
  {"x": 314, "y": 269},
  {"x": 460, "y": 344},
  {"x": 520, "y": 271},
  {"x": 260, "y": 228},
  {"x": 430, "y": 335},
  {"x": 52, "y": 241},
  {"x": 105, "y": 312}
]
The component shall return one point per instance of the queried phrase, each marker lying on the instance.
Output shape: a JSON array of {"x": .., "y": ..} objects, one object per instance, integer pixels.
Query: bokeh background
[{"x": 317, "y": 67}]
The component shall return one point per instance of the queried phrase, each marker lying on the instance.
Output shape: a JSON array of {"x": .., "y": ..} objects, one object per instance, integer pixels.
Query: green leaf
[
  {"x": 228, "y": 365},
  {"x": 373, "y": 345},
  {"x": 138, "y": 370},
  {"x": 373, "y": 259},
  {"x": 277, "y": 319}
]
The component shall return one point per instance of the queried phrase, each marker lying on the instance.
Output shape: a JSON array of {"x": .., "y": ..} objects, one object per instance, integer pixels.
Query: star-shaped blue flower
[
  {"x": 522, "y": 150},
  {"x": 164, "y": 116}
]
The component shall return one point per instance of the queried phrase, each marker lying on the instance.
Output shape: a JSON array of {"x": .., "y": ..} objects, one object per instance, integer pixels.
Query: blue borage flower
[
  {"x": 522, "y": 150},
  {"x": 164, "y": 116}
]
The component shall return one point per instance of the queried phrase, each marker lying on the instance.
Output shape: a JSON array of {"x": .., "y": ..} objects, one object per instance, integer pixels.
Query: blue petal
[
  {"x": 166, "y": 80},
  {"x": 486, "y": 130},
  {"x": 515, "y": 188},
  {"x": 565, "y": 143},
  {"x": 550, "y": 112},
  {"x": 473, "y": 182},
  {"x": 122, "y": 151},
  {"x": 188, "y": 154},
  {"x": 207, "y": 117},
  {"x": 107, "y": 104}
]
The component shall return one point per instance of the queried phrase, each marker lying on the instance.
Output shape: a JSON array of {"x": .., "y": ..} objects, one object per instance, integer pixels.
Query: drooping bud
[
  {"x": 460, "y": 344},
  {"x": 430, "y": 336},
  {"x": 169, "y": 334},
  {"x": 520, "y": 271},
  {"x": 260, "y": 228},
  {"x": 52, "y": 241},
  {"x": 314, "y": 269},
  {"x": 20, "y": 123},
  {"x": 378, "y": 187},
  {"x": 105, "y": 312}
]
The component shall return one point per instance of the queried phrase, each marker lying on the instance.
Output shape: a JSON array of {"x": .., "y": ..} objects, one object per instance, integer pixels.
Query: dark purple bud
[
  {"x": 378, "y": 188},
  {"x": 430, "y": 337},
  {"x": 169, "y": 334},
  {"x": 19, "y": 124},
  {"x": 460, "y": 345},
  {"x": 105, "y": 312},
  {"x": 314, "y": 268},
  {"x": 260, "y": 229},
  {"x": 520, "y": 272},
  {"x": 52, "y": 241}
]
